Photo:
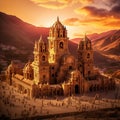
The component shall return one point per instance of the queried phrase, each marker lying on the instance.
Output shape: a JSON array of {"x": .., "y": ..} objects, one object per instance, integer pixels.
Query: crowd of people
[{"x": 14, "y": 104}]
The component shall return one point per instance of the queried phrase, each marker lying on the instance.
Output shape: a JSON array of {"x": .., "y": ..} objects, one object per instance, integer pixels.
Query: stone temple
[{"x": 55, "y": 71}]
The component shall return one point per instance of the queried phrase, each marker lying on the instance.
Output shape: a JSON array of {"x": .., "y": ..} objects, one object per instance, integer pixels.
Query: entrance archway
[
  {"x": 70, "y": 67},
  {"x": 90, "y": 89},
  {"x": 76, "y": 89}
]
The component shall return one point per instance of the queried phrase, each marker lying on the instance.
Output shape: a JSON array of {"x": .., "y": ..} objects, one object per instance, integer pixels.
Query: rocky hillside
[
  {"x": 116, "y": 74},
  {"x": 106, "y": 47},
  {"x": 17, "y": 38},
  {"x": 106, "y": 42},
  {"x": 109, "y": 44},
  {"x": 14, "y": 31}
]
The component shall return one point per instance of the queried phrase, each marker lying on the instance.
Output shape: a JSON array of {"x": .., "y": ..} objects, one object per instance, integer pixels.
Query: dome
[
  {"x": 76, "y": 73},
  {"x": 58, "y": 30},
  {"x": 58, "y": 25},
  {"x": 28, "y": 68},
  {"x": 68, "y": 59}
]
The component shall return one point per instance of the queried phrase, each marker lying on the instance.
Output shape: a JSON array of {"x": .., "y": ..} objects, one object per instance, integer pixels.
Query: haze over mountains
[{"x": 17, "y": 42}]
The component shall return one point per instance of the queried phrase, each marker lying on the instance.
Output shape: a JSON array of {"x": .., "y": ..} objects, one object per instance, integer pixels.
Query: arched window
[
  {"x": 82, "y": 46},
  {"x": 36, "y": 57},
  {"x": 80, "y": 65},
  {"x": 56, "y": 74},
  {"x": 88, "y": 55},
  {"x": 43, "y": 58},
  {"x": 51, "y": 44},
  {"x": 80, "y": 55},
  {"x": 43, "y": 48},
  {"x": 63, "y": 33},
  {"x": 89, "y": 73},
  {"x": 88, "y": 45},
  {"x": 70, "y": 67},
  {"x": 53, "y": 75},
  {"x": 52, "y": 67},
  {"x": 58, "y": 33},
  {"x": 61, "y": 45},
  {"x": 43, "y": 77}
]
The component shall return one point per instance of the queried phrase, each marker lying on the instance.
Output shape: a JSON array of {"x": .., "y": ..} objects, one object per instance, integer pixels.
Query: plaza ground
[{"x": 16, "y": 105}]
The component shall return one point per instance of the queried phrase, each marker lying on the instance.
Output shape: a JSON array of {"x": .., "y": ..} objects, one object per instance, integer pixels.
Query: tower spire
[
  {"x": 57, "y": 18},
  {"x": 85, "y": 36},
  {"x": 40, "y": 39},
  {"x": 35, "y": 44}
]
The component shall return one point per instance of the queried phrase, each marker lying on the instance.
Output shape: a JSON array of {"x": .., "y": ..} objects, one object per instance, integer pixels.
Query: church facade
[{"x": 55, "y": 71}]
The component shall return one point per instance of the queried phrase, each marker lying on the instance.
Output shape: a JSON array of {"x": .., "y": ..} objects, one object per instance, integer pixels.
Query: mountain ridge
[
  {"x": 17, "y": 42},
  {"x": 24, "y": 31}
]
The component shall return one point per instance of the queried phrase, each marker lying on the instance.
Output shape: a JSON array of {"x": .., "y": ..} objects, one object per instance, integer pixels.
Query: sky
[{"x": 79, "y": 16}]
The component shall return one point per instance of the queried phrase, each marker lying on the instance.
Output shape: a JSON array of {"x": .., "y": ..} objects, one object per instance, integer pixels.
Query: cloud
[
  {"x": 52, "y": 4},
  {"x": 93, "y": 11},
  {"x": 79, "y": 22},
  {"x": 99, "y": 12},
  {"x": 60, "y": 4},
  {"x": 71, "y": 22},
  {"x": 114, "y": 7},
  {"x": 91, "y": 25},
  {"x": 115, "y": 11},
  {"x": 85, "y": 1},
  {"x": 111, "y": 3},
  {"x": 93, "y": 22},
  {"x": 114, "y": 23}
]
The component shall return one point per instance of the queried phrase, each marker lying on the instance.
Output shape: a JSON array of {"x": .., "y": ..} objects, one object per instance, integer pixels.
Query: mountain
[
  {"x": 76, "y": 40},
  {"x": 106, "y": 42},
  {"x": 109, "y": 44},
  {"x": 17, "y": 41},
  {"x": 116, "y": 74},
  {"x": 106, "y": 48},
  {"x": 96, "y": 36},
  {"x": 14, "y": 31}
]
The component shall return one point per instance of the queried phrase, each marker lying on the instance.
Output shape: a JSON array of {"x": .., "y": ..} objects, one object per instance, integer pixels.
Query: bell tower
[
  {"x": 85, "y": 57},
  {"x": 58, "y": 41},
  {"x": 40, "y": 63}
]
